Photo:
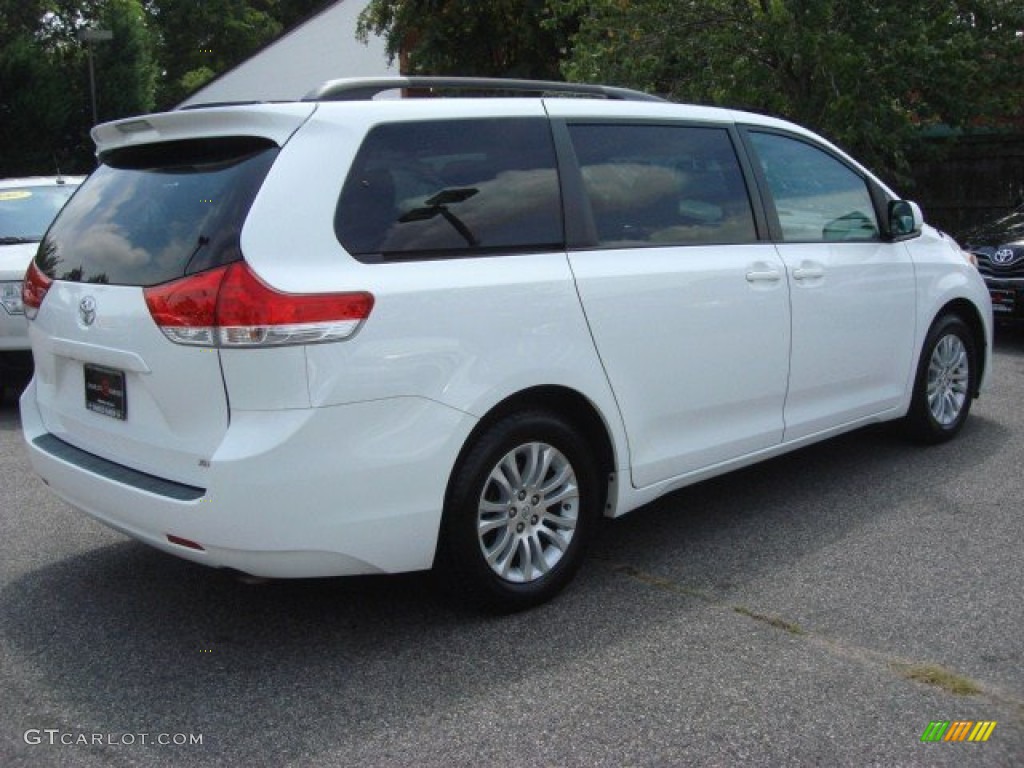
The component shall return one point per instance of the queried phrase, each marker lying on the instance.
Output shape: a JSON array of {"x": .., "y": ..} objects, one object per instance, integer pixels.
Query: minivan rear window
[
  {"x": 155, "y": 213},
  {"x": 448, "y": 188}
]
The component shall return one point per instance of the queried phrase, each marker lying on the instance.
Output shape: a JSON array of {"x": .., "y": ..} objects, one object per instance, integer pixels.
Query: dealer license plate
[{"x": 105, "y": 391}]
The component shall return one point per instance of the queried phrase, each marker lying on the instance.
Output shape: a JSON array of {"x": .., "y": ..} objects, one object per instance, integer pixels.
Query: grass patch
[
  {"x": 661, "y": 583},
  {"x": 670, "y": 586},
  {"x": 771, "y": 621},
  {"x": 933, "y": 674}
]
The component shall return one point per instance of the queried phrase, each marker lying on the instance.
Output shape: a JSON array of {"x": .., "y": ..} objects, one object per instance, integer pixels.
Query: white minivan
[{"x": 352, "y": 335}]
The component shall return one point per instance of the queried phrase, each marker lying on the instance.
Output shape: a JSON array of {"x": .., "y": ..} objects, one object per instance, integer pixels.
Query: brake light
[
  {"x": 231, "y": 307},
  {"x": 33, "y": 290}
]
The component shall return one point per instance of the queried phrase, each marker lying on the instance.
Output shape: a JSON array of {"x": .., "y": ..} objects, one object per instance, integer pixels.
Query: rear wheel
[
  {"x": 945, "y": 382},
  {"x": 521, "y": 506}
]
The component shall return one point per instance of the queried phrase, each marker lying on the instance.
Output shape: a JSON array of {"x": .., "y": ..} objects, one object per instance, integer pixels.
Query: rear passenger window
[
  {"x": 817, "y": 198},
  {"x": 452, "y": 188},
  {"x": 663, "y": 185}
]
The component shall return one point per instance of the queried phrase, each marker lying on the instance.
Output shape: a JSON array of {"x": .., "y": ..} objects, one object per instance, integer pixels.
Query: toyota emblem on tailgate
[
  {"x": 1003, "y": 256},
  {"x": 87, "y": 310}
]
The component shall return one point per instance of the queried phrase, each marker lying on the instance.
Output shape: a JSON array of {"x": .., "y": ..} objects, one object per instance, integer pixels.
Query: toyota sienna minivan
[{"x": 350, "y": 335}]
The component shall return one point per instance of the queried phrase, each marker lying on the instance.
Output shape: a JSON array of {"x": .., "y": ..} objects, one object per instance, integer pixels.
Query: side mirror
[{"x": 905, "y": 219}]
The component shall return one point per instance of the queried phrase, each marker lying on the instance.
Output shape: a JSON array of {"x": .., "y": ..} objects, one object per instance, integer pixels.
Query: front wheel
[
  {"x": 945, "y": 382},
  {"x": 520, "y": 508}
]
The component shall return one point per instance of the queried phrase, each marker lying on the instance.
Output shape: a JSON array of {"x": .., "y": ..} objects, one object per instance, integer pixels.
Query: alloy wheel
[
  {"x": 527, "y": 512},
  {"x": 948, "y": 377}
]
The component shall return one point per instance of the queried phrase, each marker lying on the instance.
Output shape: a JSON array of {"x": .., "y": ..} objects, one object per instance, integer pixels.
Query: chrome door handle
[
  {"x": 764, "y": 276},
  {"x": 808, "y": 273}
]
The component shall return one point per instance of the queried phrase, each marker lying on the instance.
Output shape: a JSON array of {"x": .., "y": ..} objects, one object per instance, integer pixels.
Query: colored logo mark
[{"x": 958, "y": 730}]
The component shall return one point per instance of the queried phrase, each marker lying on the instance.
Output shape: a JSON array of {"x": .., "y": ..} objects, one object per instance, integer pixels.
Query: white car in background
[{"x": 27, "y": 207}]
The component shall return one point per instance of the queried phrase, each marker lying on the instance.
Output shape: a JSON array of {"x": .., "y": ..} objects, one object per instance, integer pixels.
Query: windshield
[{"x": 26, "y": 212}]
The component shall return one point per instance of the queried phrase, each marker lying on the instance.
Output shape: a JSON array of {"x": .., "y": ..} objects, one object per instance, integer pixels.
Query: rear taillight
[
  {"x": 185, "y": 310},
  {"x": 33, "y": 290},
  {"x": 231, "y": 307}
]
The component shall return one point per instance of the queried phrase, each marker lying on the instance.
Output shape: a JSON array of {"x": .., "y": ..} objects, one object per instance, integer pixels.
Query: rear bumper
[{"x": 335, "y": 491}]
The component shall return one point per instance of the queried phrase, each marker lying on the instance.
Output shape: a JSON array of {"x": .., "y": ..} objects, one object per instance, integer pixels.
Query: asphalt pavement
[{"x": 821, "y": 609}]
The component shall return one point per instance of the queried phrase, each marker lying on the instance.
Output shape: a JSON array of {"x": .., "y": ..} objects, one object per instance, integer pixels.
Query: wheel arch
[
  {"x": 562, "y": 401},
  {"x": 968, "y": 312}
]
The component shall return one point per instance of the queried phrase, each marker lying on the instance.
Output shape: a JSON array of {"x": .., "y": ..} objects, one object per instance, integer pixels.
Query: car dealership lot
[{"x": 768, "y": 617}]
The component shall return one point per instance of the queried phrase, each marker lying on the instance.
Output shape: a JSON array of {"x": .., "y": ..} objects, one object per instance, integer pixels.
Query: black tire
[
  {"x": 947, "y": 368},
  {"x": 536, "y": 532}
]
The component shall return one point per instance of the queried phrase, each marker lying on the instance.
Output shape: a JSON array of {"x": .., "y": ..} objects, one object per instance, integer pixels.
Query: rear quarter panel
[{"x": 464, "y": 332}]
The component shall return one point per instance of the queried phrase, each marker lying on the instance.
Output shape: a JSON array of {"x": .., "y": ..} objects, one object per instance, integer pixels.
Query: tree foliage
[
  {"x": 500, "y": 38},
  {"x": 35, "y": 109},
  {"x": 127, "y": 69},
  {"x": 200, "y": 39},
  {"x": 161, "y": 51},
  {"x": 869, "y": 74},
  {"x": 43, "y": 104}
]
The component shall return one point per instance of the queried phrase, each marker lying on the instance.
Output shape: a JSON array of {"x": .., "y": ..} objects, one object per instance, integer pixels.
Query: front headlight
[
  {"x": 10, "y": 297},
  {"x": 971, "y": 258}
]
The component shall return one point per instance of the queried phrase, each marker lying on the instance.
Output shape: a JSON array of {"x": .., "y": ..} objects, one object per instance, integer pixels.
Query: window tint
[
  {"x": 26, "y": 212},
  {"x": 816, "y": 196},
  {"x": 152, "y": 214},
  {"x": 452, "y": 187},
  {"x": 663, "y": 185}
]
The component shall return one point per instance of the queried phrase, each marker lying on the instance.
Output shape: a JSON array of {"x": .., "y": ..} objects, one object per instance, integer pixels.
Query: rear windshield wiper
[{"x": 438, "y": 206}]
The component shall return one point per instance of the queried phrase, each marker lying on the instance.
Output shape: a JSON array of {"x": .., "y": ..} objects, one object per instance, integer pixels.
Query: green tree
[
  {"x": 502, "y": 38},
  {"x": 866, "y": 73},
  {"x": 44, "y": 108},
  {"x": 126, "y": 69},
  {"x": 293, "y": 12},
  {"x": 35, "y": 111},
  {"x": 161, "y": 51},
  {"x": 200, "y": 39}
]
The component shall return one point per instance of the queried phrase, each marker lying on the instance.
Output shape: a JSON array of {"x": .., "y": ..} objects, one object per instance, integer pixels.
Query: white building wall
[{"x": 322, "y": 48}]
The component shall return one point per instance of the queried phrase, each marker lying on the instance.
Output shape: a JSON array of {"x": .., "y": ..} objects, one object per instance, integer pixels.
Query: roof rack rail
[
  {"x": 365, "y": 88},
  {"x": 213, "y": 104}
]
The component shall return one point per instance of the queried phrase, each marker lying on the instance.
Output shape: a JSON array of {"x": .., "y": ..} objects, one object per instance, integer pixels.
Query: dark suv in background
[{"x": 999, "y": 248}]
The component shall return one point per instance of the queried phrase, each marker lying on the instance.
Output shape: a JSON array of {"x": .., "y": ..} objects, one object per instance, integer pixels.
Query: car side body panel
[
  {"x": 696, "y": 352},
  {"x": 854, "y": 330}
]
